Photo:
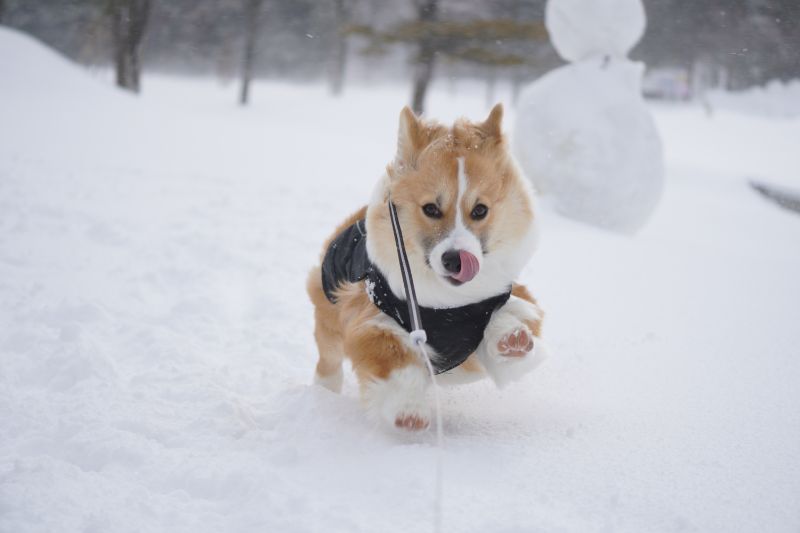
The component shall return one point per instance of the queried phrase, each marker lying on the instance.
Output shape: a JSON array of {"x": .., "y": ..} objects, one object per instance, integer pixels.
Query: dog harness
[{"x": 454, "y": 332}]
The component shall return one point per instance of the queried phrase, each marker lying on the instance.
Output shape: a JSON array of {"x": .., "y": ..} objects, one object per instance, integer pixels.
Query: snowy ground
[
  {"x": 774, "y": 99},
  {"x": 156, "y": 346}
]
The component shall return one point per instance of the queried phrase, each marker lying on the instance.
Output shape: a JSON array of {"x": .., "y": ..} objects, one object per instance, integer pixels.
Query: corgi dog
[{"x": 467, "y": 216}]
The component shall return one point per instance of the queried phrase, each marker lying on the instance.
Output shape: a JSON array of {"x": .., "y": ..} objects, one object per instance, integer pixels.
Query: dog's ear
[
  {"x": 410, "y": 138},
  {"x": 492, "y": 126}
]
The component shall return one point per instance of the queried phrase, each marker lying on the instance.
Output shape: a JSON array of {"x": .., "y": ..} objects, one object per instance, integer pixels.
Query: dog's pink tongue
[{"x": 469, "y": 267}]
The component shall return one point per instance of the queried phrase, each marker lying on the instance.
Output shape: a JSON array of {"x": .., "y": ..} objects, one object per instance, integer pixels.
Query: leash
[{"x": 419, "y": 338}]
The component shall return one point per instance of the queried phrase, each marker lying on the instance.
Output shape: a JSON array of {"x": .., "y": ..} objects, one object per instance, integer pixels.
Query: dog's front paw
[
  {"x": 400, "y": 400},
  {"x": 407, "y": 414},
  {"x": 509, "y": 350},
  {"x": 412, "y": 421},
  {"x": 516, "y": 343}
]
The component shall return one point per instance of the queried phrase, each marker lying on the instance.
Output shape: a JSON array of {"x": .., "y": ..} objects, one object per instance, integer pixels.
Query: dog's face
[{"x": 466, "y": 214}]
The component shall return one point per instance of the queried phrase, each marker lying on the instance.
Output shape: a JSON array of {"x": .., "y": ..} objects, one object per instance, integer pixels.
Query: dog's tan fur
[{"x": 424, "y": 171}]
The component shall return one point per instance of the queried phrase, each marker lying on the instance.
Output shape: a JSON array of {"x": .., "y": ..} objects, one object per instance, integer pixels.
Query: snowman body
[{"x": 583, "y": 133}]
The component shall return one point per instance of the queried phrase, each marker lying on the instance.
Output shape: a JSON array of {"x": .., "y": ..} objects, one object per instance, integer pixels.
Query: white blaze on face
[{"x": 460, "y": 238}]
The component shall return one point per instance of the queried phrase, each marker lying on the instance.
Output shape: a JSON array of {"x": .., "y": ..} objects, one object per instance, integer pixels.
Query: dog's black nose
[{"x": 451, "y": 261}]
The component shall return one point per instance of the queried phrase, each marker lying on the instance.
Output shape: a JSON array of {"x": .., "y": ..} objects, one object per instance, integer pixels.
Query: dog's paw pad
[
  {"x": 518, "y": 343},
  {"x": 411, "y": 422}
]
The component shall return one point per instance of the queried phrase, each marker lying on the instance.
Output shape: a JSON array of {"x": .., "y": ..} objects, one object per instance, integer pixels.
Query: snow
[
  {"x": 587, "y": 140},
  {"x": 582, "y": 30},
  {"x": 157, "y": 352},
  {"x": 775, "y": 99}
]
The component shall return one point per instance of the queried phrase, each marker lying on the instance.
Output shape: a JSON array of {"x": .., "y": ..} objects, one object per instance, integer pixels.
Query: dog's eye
[
  {"x": 432, "y": 211},
  {"x": 479, "y": 212}
]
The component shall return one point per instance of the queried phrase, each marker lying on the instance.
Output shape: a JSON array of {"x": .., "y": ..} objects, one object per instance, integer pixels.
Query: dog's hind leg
[
  {"x": 329, "y": 367},
  {"x": 326, "y": 332}
]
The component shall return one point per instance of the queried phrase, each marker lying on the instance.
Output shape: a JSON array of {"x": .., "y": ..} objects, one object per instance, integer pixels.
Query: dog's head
[{"x": 466, "y": 214}]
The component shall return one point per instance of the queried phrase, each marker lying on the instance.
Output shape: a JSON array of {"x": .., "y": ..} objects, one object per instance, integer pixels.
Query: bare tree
[
  {"x": 252, "y": 27},
  {"x": 496, "y": 45},
  {"x": 423, "y": 66},
  {"x": 128, "y": 24}
]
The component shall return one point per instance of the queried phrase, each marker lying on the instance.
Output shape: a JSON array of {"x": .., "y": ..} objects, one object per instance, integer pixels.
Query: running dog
[{"x": 468, "y": 221}]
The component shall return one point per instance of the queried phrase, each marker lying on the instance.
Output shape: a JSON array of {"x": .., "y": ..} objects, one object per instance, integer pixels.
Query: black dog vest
[{"x": 453, "y": 332}]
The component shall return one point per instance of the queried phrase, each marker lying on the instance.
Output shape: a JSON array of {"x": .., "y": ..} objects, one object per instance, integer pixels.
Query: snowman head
[{"x": 582, "y": 29}]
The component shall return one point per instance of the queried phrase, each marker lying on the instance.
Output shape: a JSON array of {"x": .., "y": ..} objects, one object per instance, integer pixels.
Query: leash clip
[{"x": 418, "y": 336}]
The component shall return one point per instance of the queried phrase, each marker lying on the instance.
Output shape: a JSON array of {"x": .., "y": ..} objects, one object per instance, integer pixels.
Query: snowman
[{"x": 583, "y": 133}]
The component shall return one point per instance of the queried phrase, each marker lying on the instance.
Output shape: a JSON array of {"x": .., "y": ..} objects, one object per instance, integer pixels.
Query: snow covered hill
[{"x": 156, "y": 345}]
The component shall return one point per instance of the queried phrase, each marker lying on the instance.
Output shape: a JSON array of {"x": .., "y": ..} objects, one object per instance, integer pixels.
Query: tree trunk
[
  {"x": 491, "y": 81},
  {"x": 423, "y": 69},
  {"x": 423, "y": 73},
  {"x": 2, "y": 10},
  {"x": 252, "y": 25},
  {"x": 120, "y": 59},
  {"x": 140, "y": 13},
  {"x": 338, "y": 65},
  {"x": 128, "y": 24},
  {"x": 516, "y": 86}
]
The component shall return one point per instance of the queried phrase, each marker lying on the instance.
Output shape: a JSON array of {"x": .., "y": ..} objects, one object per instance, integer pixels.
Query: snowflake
[{"x": 369, "y": 286}]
